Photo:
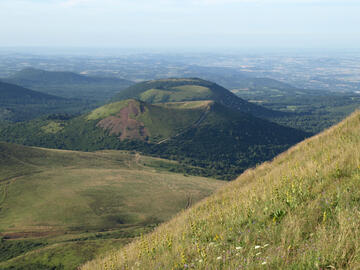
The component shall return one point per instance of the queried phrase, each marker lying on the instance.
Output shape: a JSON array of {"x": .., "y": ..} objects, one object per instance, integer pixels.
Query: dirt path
[
  {"x": 5, "y": 192},
  {"x": 188, "y": 203}
]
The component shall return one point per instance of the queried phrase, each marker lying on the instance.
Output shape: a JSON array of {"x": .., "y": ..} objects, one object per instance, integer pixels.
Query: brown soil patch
[{"x": 124, "y": 125}]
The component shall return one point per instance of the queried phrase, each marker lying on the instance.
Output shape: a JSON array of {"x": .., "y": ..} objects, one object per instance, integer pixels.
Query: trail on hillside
[
  {"x": 195, "y": 124},
  {"x": 5, "y": 191}
]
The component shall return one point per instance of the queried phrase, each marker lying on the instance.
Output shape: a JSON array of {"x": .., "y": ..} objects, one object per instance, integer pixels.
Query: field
[
  {"x": 59, "y": 209},
  {"x": 300, "y": 211}
]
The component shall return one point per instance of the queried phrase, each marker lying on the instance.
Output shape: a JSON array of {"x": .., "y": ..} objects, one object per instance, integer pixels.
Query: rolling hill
[
  {"x": 191, "y": 89},
  {"x": 59, "y": 209},
  {"x": 18, "y": 103},
  {"x": 206, "y": 134},
  {"x": 68, "y": 84},
  {"x": 14, "y": 94},
  {"x": 300, "y": 211}
]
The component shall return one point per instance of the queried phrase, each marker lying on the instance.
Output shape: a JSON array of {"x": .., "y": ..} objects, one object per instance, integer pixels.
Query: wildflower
[
  {"x": 257, "y": 254},
  {"x": 219, "y": 258},
  {"x": 257, "y": 247},
  {"x": 266, "y": 245},
  {"x": 238, "y": 248},
  {"x": 263, "y": 263}
]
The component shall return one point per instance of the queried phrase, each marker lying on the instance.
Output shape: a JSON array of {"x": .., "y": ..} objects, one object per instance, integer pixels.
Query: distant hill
[
  {"x": 205, "y": 134},
  {"x": 191, "y": 89},
  {"x": 61, "y": 208},
  {"x": 14, "y": 94},
  {"x": 300, "y": 211},
  {"x": 18, "y": 103},
  {"x": 68, "y": 84}
]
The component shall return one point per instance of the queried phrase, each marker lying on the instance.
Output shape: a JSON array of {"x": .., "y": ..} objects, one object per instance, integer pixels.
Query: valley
[{"x": 61, "y": 208}]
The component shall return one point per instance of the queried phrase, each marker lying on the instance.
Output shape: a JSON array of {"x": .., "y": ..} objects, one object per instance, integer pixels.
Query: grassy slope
[
  {"x": 300, "y": 211},
  {"x": 161, "y": 121},
  {"x": 61, "y": 200}
]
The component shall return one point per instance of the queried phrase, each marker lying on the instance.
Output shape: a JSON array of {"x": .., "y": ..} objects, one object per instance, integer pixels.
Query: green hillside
[
  {"x": 69, "y": 84},
  {"x": 14, "y": 94},
  {"x": 18, "y": 103},
  {"x": 218, "y": 141},
  {"x": 62, "y": 208},
  {"x": 191, "y": 89},
  {"x": 300, "y": 211}
]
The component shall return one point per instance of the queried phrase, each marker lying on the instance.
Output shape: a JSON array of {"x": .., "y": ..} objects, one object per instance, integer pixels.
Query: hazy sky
[{"x": 181, "y": 23}]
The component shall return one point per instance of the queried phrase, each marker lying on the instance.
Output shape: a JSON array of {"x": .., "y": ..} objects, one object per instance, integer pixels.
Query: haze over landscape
[
  {"x": 167, "y": 134},
  {"x": 189, "y": 24}
]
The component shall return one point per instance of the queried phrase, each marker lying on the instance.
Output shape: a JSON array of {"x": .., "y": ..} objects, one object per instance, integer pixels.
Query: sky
[{"x": 201, "y": 24}]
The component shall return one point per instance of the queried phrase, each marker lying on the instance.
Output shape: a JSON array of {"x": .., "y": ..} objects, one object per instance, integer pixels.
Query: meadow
[{"x": 59, "y": 209}]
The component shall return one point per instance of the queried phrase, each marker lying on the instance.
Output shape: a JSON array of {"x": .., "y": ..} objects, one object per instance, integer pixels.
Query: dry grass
[{"x": 300, "y": 211}]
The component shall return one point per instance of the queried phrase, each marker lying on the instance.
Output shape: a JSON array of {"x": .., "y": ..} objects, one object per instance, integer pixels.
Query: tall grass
[{"x": 300, "y": 211}]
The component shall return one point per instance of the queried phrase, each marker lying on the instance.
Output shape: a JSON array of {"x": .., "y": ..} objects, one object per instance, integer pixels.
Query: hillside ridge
[
  {"x": 12, "y": 93},
  {"x": 190, "y": 89}
]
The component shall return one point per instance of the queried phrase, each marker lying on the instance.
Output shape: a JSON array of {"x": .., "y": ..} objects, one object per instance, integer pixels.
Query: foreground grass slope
[
  {"x": 59, "y": 209},
  {"x": 300, "y": 211}
]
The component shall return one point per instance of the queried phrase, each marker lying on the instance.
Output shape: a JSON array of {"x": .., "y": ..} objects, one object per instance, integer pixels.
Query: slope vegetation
[
  {"x": 60, "y": 208},
  {"x": 14, "y": 94},
  {"x": 300, "y": 211},
  {"x": 18, "y": 103},
  {"x": 69, "y": 84},
  {"x": 190, "y": 89},
  {"x": 206, "y": 134}
]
